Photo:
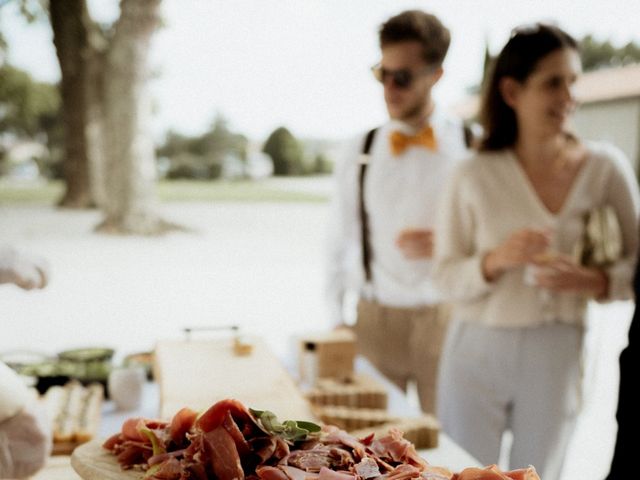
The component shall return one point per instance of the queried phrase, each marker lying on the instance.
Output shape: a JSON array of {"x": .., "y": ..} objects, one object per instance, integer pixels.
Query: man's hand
[{"x": 416, "y": 243}]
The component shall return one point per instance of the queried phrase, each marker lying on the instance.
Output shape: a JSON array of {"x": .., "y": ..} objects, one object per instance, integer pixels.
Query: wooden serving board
[
  {"x": 92, "y": 462},
  {"x": 198, "y": 373}
]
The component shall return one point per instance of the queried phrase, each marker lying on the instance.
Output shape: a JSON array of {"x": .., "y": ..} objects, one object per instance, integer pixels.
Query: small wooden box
[
  {"x": 361, "y": 391},
  {"x": 329, "y": 355}
]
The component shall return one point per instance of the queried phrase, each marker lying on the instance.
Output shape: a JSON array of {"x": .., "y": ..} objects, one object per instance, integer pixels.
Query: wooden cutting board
[
  {"x": 197, "y": 373},
  {"x": 92, "y": 462}
]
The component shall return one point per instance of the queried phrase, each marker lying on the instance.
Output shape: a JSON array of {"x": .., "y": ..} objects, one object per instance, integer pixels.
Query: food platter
[{"x": 92, "y": 462}]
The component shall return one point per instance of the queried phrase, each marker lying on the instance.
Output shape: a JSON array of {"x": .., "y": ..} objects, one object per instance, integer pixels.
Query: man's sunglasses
[{"x": 402, "y": 78}]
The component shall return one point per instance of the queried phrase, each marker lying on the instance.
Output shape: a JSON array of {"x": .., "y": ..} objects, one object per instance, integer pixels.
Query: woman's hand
[
  {"x": 522, "y": 247},
  {"x": 562, "y": 274}
]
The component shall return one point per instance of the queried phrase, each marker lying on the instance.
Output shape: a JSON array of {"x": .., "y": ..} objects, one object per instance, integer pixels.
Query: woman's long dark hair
[{"x": 518, "y": 59}]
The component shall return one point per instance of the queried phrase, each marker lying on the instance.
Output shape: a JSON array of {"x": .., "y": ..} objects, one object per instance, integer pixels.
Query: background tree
[
  {"x": 108, "y": 111},
  {"x": 202, "y": 156},
  {"x": 285, "y": 152},
  {"x": 26, "y": 106},
  {"x": 69, "y": 21},
  {"x": 31, "y": 110},
  {"x": 109, "y": 156},
  {"x": 594, "y": 55},
  {"x": 601, "y": 54},
  {"x": 322, "y": 164}
]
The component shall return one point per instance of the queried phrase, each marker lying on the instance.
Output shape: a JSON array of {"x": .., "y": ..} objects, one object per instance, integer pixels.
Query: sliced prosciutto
[
  {"x": 225, "y": 460},
  {"x": 230, "y": 442},
  {"x": 182, "y": 423},
  {"x": 492, "y": 472}
]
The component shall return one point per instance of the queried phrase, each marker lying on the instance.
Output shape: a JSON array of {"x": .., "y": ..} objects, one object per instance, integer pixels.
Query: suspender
[
  {"x": 364, "y": 218},
  {"x": 468, "y": 136}
]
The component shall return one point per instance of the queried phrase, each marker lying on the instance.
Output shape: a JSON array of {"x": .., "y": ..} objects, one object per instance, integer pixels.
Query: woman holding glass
[{"x": 510, "y": 222}]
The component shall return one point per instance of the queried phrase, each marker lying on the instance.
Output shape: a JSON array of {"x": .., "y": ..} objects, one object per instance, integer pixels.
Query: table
[{"x": 447, "y": 454}]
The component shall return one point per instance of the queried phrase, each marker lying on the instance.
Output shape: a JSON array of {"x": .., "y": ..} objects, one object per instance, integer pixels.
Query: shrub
[{"x": 285, "y": 152}]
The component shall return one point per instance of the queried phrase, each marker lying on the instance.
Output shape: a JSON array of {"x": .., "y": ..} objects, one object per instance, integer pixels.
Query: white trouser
[{"x": 526, "y": 380}]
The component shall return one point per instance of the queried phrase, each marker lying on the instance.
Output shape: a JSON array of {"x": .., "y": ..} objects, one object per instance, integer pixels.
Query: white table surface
[{"x": 448, "y": 454}]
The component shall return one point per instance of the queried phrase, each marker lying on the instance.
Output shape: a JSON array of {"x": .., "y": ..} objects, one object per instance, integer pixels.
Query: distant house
[{"x": 609, "y": 108}]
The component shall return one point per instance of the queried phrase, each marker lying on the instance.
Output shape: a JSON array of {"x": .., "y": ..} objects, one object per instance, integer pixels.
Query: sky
[{"x": 305, "y": 64}]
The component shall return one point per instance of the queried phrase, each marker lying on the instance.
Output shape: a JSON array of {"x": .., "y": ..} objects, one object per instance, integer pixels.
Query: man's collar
[{"x": 433, "y": 120}]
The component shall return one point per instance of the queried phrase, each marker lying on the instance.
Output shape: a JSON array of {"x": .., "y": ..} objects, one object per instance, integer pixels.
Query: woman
[{"x": 510, "y": 221}]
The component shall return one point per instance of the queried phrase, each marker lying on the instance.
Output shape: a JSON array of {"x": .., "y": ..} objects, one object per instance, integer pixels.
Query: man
[
  {"x": 381, "y": 241},
  {"x": 624, "y": 460}
]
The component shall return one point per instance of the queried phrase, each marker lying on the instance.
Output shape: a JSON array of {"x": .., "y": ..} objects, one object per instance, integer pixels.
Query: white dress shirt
[
  {"x": 400, "y": 192},
  {"x": 490, "y": 197}
]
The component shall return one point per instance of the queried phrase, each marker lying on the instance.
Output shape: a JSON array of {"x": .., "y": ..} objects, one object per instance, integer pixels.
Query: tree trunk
[
  {"x": 130, "y": 172},
  {"x": 95, "y": 126},
  {"x": 70, "y": 38}
]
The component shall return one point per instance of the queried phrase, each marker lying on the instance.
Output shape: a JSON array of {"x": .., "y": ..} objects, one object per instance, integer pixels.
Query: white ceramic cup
[{"x": 125, "y": 387}]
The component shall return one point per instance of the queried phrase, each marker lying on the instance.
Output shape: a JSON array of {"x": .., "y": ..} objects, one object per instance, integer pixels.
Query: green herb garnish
[
  {"x": 290, "y": 430},
  {"x": 155, "y": 443}
]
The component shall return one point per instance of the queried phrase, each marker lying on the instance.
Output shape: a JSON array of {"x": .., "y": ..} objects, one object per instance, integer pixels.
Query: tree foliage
[
  {"x": 31, "y": 110},
  {"x": 322, "y": 164},
  {"x": 597, "y": 54},
  {"x": 286, "y": 152},
  {"x": 594, "y": 54},
  {"x": 202, "y": 156},
  {"x": 27, "y": 108}
]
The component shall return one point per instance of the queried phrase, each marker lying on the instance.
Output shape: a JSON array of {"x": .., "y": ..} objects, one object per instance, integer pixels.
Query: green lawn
[
  {"x": 45, "y": 193},
  {"x": 174, "y": 191}
]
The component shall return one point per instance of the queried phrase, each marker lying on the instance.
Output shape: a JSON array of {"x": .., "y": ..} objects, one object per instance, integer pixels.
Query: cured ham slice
[
  {"x": 399, "y": 449},
  {"x": 367, "y": 468},
  {"x": 169, "y": 470},
  {"x": 216, "y": 415},
  {"x": 327, "y": 474},
  {"x": 492, "y": 472},
  {"x": 225, "y": 459},
  {"x": 271, "y": 473},
  {"x": 294, "y": 473},
  {"x": 181, "y": 423}
]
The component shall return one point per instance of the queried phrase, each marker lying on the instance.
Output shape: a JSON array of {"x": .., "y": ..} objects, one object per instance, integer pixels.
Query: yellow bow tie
[{"x": 424, "y": 138}]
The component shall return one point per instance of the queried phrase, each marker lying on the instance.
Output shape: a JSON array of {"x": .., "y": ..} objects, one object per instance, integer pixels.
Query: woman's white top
[{"x": 489, "y": 197}]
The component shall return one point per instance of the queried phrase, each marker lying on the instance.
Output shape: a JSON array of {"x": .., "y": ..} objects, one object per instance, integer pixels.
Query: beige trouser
[
  {"x": 404, "y": 344},
  {"x": 526, "y": 380}
]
